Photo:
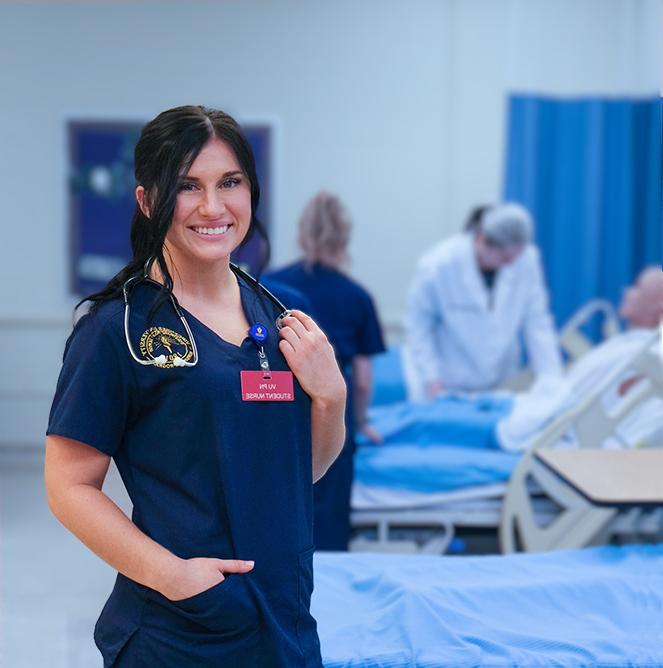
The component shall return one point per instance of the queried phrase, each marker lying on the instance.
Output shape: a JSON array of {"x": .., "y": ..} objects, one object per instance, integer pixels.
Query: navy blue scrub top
[
  {"x": 209, "y": 475},
  {"x": 290, "y": 296},
  {"x": 343, "y": 309}
]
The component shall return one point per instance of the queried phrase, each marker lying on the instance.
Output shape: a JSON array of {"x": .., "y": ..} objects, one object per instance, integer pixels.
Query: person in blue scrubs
[
  {"x": 347, "y": 314},
  {"x": 219, "y": 458}
]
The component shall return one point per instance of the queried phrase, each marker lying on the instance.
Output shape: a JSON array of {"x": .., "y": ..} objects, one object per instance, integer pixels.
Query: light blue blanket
[
  {"x": 449, "y": 420},
  {"x": 431, "y": 468},
  {"x": 593, "y": 607}
]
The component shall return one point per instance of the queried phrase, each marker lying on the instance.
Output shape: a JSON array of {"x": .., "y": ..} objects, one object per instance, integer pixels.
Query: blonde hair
[{"x": 324, "y": 231}]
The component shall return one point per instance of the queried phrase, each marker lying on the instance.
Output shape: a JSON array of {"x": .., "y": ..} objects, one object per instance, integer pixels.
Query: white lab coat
[{"x": 468, "y": 337}]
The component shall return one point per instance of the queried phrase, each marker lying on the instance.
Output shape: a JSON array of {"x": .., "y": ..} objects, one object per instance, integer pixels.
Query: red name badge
[{"x": 278, "y": 387}]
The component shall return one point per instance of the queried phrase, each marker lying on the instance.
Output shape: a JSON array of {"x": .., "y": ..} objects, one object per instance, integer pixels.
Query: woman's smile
[{"x": 212, "y": 232}]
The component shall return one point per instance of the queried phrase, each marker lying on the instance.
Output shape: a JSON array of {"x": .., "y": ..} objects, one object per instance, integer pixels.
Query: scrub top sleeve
[
  {"x": 94, "y": 390},
  {"x": 370, "y": 341}
]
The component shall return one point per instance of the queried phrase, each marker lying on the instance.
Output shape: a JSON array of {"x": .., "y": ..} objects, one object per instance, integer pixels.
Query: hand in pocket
[{"x": 196, "y": 575}]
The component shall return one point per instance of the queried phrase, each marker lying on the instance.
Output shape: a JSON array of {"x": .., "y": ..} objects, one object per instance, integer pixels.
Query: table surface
[{"x": 610, "y": 477}]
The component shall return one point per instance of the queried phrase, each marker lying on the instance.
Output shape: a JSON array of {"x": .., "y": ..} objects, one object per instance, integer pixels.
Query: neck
[
  {"x": 479, "y": 257},
  {"x": 212, "y": 282}
]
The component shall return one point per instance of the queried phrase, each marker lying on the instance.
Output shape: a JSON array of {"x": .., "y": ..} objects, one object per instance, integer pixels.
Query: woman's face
[{"x": 213, "y": 209}]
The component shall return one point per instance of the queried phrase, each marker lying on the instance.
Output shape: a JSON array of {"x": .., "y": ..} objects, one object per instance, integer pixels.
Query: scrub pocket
[
  {"x": 227, "y": 607},
  {"x": 306, "y": 626},
  {"x": 120, "y": 618}
]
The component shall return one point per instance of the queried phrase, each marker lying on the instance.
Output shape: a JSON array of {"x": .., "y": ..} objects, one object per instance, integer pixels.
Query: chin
[{"x": 212, "y": 258}]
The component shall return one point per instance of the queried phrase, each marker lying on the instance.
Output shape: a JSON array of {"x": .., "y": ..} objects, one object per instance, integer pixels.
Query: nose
[{"x": 212, "y": 204}]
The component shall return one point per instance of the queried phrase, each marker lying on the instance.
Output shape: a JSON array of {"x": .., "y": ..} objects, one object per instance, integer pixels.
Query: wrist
[
  {"x": 166, "y": 571},
  {"x": 334, "y": 399}
]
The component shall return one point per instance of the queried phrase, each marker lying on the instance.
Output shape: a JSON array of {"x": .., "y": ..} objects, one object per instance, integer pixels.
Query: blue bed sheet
[
  {"x": 431, "y": 468},
  {"x": 449, "y": 420},
  {"x": 592, "y": 607}
]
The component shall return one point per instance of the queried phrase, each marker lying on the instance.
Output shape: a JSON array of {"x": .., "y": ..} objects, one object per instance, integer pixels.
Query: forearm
[
  {"x": 328, "y": 432},
  {"x": 361, "y": 399},
  {"x": 98, "y": 522}
]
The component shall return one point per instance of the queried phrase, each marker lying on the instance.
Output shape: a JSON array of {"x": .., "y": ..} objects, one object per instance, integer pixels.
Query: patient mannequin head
[{"x": 642, "y": 303}]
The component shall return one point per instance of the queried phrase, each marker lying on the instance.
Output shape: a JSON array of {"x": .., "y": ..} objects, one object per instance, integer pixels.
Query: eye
[
  {"x": 187, "y": 186},
  {"x": 231, "y": 182}
]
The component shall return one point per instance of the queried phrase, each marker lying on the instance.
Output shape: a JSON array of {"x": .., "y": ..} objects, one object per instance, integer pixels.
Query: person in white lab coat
[{"x": 473, "y": 298}]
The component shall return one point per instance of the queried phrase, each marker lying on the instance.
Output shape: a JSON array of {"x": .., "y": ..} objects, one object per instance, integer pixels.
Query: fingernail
[{"x": 250, "y": 563}]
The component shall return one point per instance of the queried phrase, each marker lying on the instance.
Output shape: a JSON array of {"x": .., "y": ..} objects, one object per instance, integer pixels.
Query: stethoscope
[{"x": 177, "y": 360}]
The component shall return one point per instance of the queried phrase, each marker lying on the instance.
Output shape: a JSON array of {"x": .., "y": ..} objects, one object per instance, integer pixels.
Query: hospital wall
[{"x": 397, "y": 107}]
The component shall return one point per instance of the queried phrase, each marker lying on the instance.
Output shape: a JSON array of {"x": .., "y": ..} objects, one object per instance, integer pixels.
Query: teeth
[{"x": 211, "y": 230}]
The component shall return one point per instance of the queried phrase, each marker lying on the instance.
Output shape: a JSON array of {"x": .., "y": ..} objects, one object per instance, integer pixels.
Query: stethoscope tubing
[{"x": 178, "y": 361}]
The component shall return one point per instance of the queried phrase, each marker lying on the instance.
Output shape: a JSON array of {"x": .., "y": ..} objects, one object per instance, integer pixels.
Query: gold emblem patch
[{"x": 158, "y": 341}]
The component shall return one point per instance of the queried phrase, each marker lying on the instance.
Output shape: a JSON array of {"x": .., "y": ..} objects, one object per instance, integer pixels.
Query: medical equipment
[{"x": 178, "y": 361}]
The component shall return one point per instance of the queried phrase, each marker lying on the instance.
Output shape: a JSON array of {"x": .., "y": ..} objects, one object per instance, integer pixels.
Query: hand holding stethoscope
[{"x": 311, "y": 357}]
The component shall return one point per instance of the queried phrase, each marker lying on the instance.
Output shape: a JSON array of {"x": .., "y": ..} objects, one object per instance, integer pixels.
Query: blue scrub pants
[{"x": 331, "y": 495}]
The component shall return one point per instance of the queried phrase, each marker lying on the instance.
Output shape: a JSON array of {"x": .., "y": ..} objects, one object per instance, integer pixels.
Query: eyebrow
[{"x": 236, "y": 172}]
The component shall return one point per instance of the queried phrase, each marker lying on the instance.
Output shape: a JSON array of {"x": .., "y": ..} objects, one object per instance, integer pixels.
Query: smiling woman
[
  {"x": 218, "y": 430},
  {"x": 213, "y": 202}
]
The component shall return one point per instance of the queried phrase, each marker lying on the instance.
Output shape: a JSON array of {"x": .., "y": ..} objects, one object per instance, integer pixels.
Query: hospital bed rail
[{"x": 574, "y": 342}]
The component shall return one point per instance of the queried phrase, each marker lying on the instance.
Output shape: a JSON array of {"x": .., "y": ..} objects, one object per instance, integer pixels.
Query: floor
[{"x": 51, "y": 587}]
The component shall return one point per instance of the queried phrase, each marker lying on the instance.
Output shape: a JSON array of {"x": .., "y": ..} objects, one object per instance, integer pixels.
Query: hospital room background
[{"x": 412, "y": 113}]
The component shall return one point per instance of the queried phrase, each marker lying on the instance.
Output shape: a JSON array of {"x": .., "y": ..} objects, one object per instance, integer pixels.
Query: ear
[{"x": 142, "y": 199}]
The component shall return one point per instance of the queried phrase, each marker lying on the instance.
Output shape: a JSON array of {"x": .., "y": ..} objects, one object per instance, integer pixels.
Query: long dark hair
[{"x": 166, "y": 149}]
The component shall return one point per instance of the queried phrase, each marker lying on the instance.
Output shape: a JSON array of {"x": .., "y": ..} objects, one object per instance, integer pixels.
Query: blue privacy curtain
[{"x": 590, "y": 172}]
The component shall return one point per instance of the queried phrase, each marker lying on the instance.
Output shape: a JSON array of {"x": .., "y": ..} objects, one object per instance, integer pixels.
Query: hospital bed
[
  {"x": 591, "y": 324},
  {"x": 591, "y": 423},
  {"x": 412, "y": 494},
  {"x": 590, "y": 607}
]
